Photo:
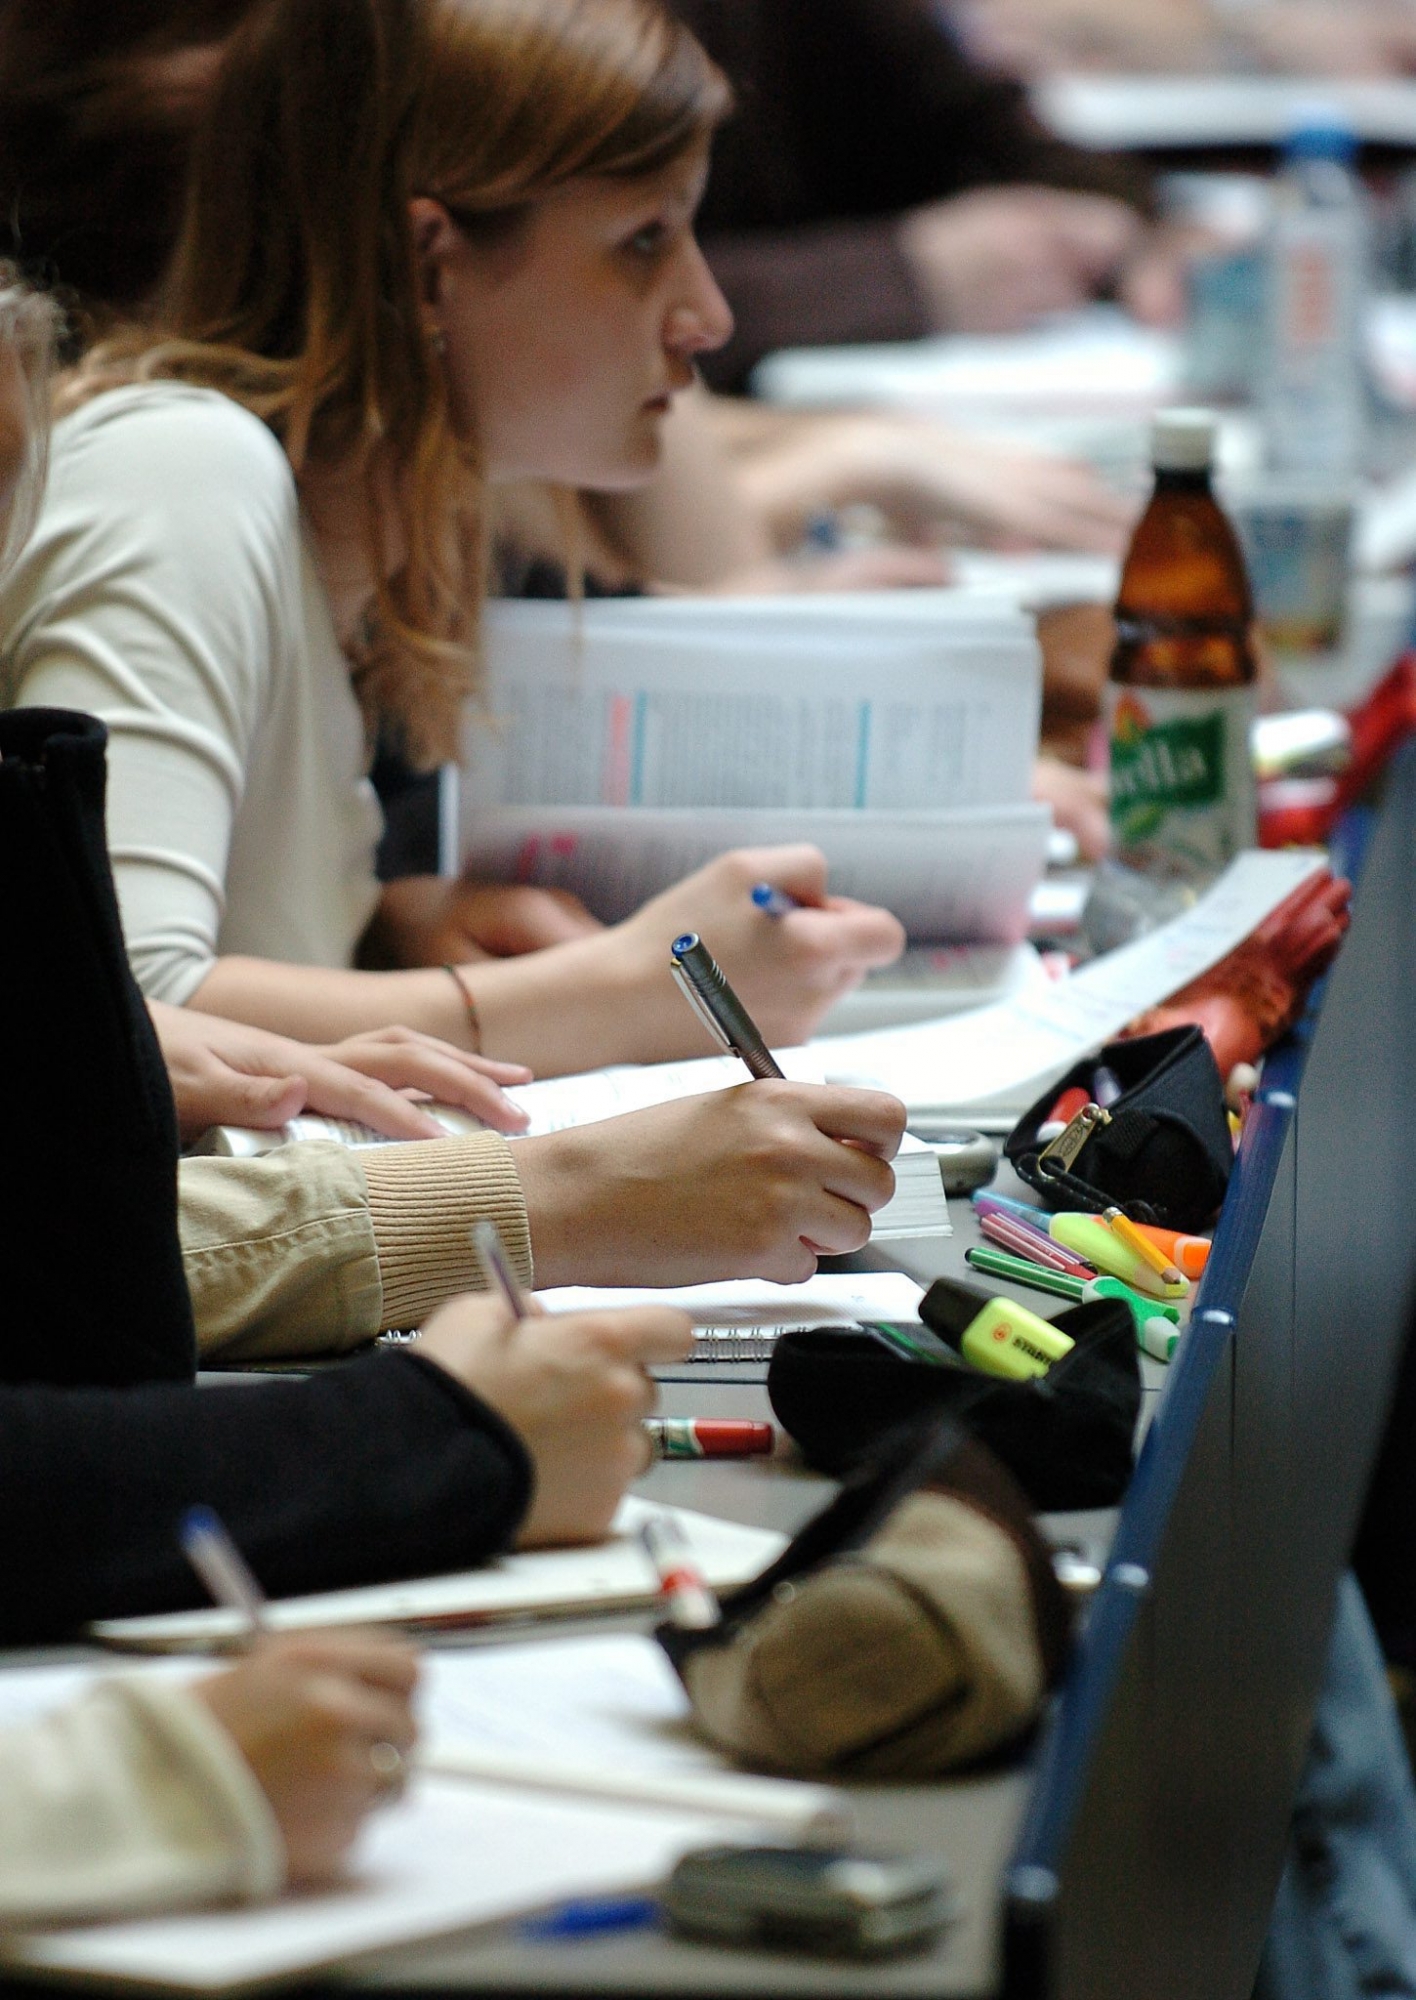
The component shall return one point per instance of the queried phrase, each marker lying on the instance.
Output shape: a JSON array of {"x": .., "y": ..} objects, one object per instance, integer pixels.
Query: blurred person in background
[
  {"x": 878, "y": 184},
  {"x": 1367, "y": 39}
]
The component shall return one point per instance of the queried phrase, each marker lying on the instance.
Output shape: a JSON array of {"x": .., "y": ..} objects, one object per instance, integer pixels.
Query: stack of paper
[
  {"x": 1097, "y": 359},
  {"x": 1126, "y": 113},
  {"x": 624, "y": 743}
]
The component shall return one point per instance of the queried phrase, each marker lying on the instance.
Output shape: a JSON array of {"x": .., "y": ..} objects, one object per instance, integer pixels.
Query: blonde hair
[
  {"x": 295, "y": 286},
  {"x": 30, "y": 328}
]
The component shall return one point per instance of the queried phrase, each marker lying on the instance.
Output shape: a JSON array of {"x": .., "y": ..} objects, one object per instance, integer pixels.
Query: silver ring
[{"x": 388, "y": 1765}]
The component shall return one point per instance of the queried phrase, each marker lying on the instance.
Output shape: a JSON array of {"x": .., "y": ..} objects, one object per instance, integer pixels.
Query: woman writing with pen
[
  {"x": 512, "y": 185},
  {"x": 430, "y": 244}
]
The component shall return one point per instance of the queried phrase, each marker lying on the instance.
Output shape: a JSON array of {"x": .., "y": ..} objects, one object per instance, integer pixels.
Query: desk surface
[{"x": 971, "y": 1823}]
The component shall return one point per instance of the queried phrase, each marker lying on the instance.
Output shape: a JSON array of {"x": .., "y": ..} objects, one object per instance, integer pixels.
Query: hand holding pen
[
  {"x": 574, "y": 1387},
  {"x": 700, "y": 979},
  {"x": 788, "y": 962},
  {"x": 323, "y": 1719}
]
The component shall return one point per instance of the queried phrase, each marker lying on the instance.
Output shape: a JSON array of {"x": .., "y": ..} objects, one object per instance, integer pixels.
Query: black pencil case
[
  {"x": 1067, "y": 1436},
  {"x": 1163, "y": 1153}
]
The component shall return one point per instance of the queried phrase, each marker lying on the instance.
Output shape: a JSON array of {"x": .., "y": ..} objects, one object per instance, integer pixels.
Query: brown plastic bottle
[{"x": 1180, "y": 702}]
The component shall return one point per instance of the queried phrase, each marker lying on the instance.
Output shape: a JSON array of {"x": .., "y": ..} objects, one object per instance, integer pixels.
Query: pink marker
[{"x": 1024, "y": 1241}]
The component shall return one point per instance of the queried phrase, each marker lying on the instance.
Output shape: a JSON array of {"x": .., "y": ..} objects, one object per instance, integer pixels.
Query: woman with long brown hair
[{"x": 430, "y": 244}]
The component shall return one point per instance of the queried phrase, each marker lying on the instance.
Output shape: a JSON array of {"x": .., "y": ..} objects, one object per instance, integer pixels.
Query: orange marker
[
  {"x": 1149, "y": 1253},
  {"x": 1188, "y": 1253}
]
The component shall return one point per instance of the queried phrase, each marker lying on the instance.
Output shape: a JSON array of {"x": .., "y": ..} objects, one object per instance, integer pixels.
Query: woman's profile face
[{"x": 566, "y": 339}]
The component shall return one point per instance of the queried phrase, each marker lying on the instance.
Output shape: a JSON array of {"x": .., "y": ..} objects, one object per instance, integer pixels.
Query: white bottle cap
[{"x": 1183, "y": 440}]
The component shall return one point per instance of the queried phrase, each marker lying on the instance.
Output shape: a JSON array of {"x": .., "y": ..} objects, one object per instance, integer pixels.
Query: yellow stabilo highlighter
[
  {"x": 1006, "y": 1339},
  {"x": 1088, "y": 1236}
]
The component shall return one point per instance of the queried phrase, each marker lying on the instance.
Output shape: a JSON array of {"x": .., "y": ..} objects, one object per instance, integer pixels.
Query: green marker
[
  {"x": 913, "y": 1343},
  {"x": 1156, "y": 1323}
]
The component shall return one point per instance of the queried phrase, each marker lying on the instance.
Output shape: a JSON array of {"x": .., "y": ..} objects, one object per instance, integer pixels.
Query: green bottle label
[{"x": 1182, "y": 783}]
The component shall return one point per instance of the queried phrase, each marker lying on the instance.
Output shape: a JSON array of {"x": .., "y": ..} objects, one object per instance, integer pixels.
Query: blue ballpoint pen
[
  {"x": 774, "y": 902},
  {"x": 222, "y": 1568},
  {"x": 588, "y": 1915}
]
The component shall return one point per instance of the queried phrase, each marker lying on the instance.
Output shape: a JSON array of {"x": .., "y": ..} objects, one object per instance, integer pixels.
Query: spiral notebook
[{"x": 741, "y": 1319}]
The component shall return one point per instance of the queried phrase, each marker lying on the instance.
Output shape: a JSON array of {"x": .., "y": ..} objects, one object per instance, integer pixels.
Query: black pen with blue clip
[{"x": 700, "y": 979}]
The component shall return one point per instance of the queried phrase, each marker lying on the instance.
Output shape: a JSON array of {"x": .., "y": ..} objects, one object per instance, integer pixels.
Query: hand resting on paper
[
  {"x": 752, "y": 1182},
  {"x": 225, "y": 1073},
  {"x": 575, "y": 1387},
  {"x": 425, "y": 920},
  {"x": 306, "y": 1713}
]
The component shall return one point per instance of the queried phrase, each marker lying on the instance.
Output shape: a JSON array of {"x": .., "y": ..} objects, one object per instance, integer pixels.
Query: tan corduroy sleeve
[
  {"x": 130, "y": 1799},
  {"x": 315, "y": 1249}
]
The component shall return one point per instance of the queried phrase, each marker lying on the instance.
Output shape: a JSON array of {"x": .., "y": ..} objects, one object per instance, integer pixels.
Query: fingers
[
  {"x": 365, "y": 1656},
  {"x": 646, "y": 1336},
  {"x": 508, "y": 920},
  {"x": 342, "y": 1092},
  {"x": 872, "y": 1121},
  {"x": 857, "y": 933},
  {"x": 264, "y": 1102},
  {"x": 651, "y": 1335},
  {"x": 362, "y": 1713},
  {"x": 451, "y": 1076},
  {"x": 389, "y": 1052},
  {"x": 799, "y": 869},
  {"x": 1078, "y": 801}
]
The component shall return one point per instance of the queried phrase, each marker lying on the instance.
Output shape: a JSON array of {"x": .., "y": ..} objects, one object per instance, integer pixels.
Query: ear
[{"x": 435, "y": 239}]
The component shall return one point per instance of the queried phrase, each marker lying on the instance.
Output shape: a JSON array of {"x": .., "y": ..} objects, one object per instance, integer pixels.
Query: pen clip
[
  {"x": 691, "y": 994},
  {"x": 1068, "y": 1143}
]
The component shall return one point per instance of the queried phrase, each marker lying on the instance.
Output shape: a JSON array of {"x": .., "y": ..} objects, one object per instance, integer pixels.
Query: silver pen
[
  {"x": 497, "y": 1273},
  {"x": 700, "y": 980}
]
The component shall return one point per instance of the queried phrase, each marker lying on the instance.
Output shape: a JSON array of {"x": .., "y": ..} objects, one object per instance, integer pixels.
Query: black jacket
[
  {"x": 376, "y": 1469},
  {"x": 850, "y": 112}
]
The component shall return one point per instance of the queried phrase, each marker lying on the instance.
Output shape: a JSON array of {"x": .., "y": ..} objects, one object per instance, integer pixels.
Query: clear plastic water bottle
[{"x": 1314, "y": 396}]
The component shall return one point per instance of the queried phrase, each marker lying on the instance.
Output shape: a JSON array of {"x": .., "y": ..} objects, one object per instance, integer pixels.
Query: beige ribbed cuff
[{"x": 423, "y": 1201}]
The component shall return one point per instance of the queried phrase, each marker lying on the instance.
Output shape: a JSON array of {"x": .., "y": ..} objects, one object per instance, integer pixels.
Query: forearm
[
  {"x": 316, "y": 1248},
  {"x": 558, "y": 1010},
  {"x": 383, "y": 1468},
  {"x": 319, "y": 1004}
]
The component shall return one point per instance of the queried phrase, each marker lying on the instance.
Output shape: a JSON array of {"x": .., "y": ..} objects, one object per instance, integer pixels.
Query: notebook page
[
  {"x": 1004, "y": 1055},
  {"x": 449, "y": 1855},
  {"x": 547, "y": 1582}
]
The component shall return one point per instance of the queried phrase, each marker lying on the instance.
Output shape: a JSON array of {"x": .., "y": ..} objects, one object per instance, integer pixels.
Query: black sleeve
[
  {"x": 849, "y": 113},
  {"x": 378, "y": 1469},
  {"x": 821, "y": 285}
]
